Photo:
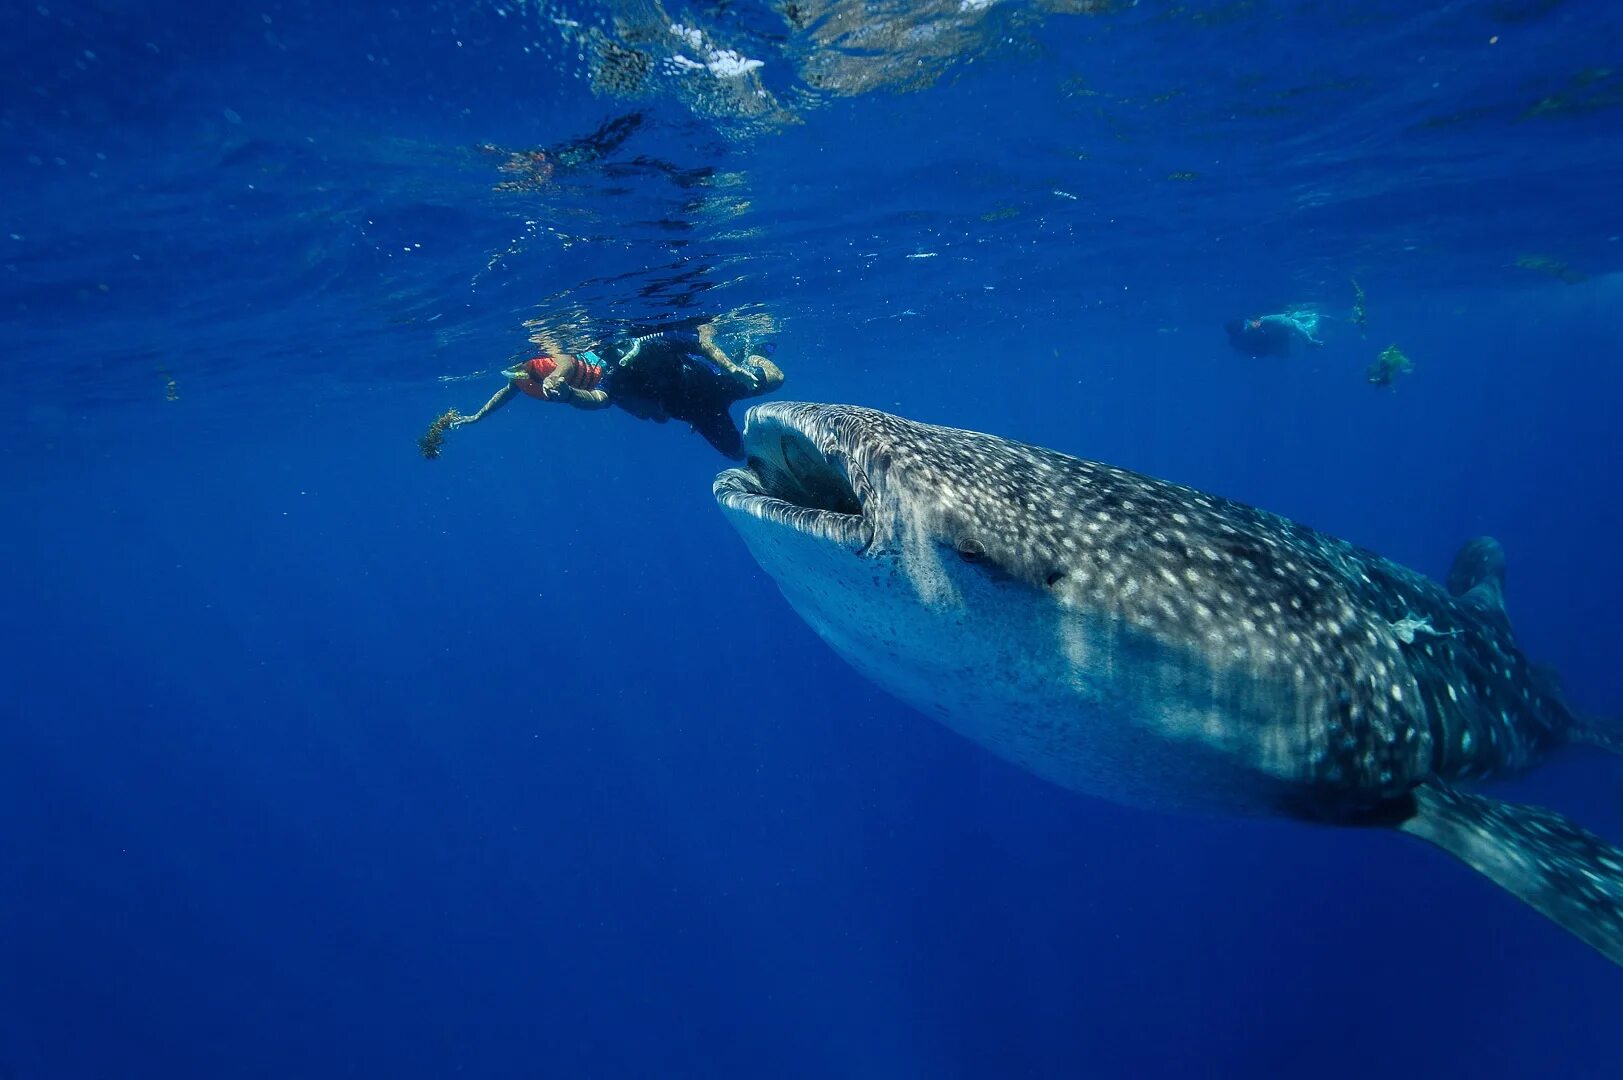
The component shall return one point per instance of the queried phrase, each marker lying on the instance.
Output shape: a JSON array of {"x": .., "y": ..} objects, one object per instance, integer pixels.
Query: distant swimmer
[
  {"x": 1388, "y": 366},
  {"x": 535, "y": 169},
  {"x": 671, "y": 375},
  {"x": 532, "y": 169},
  {"x": 1272, "y": 335}
]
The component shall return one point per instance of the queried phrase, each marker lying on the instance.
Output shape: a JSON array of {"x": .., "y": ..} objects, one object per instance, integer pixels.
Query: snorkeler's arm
[
  {"x": 497, "y": 400},
  {"x": 557, "y": 387}
]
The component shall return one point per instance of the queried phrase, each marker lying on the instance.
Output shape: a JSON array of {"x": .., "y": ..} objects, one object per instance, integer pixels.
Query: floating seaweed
[
  {"x": 434, "y": 437},
  {"x": 1544, "y": 264}
]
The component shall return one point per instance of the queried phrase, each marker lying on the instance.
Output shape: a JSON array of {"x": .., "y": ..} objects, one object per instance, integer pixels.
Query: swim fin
[{"x": 1566, "y": 872}]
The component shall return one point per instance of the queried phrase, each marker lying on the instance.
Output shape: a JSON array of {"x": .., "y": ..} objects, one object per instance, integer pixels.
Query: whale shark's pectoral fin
[{"x": 1568, "y": 873}]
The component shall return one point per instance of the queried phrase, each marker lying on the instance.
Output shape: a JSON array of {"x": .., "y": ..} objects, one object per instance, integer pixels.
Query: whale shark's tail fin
[{"x": 1571, "y": 875}]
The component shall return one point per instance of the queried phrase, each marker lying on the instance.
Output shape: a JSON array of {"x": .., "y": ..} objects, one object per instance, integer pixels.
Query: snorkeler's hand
[{"x": 554, "y": 388}]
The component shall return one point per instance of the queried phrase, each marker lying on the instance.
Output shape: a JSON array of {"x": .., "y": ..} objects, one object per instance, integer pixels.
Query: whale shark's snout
[{"x": 807, "y": 470}]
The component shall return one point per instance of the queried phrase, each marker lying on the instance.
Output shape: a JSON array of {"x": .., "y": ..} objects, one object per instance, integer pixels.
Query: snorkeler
[
  {"x": 1272, "y": 335},
  {"x": 671, "y": 375},
  {"x": 532, "y": 169}
]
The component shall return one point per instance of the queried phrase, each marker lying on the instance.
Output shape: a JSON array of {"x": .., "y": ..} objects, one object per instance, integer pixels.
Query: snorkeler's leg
[{"x": 719, "y": 431}]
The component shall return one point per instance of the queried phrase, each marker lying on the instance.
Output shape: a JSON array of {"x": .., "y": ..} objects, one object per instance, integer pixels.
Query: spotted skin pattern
[{"x": 1339, "y": 681}]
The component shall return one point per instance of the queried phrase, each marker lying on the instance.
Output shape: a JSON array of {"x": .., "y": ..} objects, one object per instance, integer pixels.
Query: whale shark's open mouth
[{"x": 800, "y": 474}]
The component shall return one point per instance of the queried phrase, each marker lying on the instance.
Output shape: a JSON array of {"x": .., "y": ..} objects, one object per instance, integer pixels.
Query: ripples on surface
[{"x": 597, "y": 168}]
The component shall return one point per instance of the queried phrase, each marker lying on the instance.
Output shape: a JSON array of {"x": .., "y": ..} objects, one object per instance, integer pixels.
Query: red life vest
[{"x": 582, "y": 376}]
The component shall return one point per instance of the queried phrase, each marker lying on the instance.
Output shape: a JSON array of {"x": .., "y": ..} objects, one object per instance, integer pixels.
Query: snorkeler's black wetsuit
[{"x": 667, "y": 375}]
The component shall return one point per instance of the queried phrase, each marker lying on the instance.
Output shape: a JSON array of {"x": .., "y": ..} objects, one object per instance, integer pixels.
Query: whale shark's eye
[{"x": 971, "y": 549}]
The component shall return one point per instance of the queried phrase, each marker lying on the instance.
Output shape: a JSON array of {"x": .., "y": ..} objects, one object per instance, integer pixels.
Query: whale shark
[{"x": 1148, "y": 643}]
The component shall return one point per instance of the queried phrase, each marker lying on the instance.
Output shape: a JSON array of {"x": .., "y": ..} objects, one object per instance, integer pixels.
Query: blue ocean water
[{"x": 317, "y": 758}]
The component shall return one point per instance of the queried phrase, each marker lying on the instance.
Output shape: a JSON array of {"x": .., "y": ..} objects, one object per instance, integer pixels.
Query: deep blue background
[{"x": 318, "y": 759}]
